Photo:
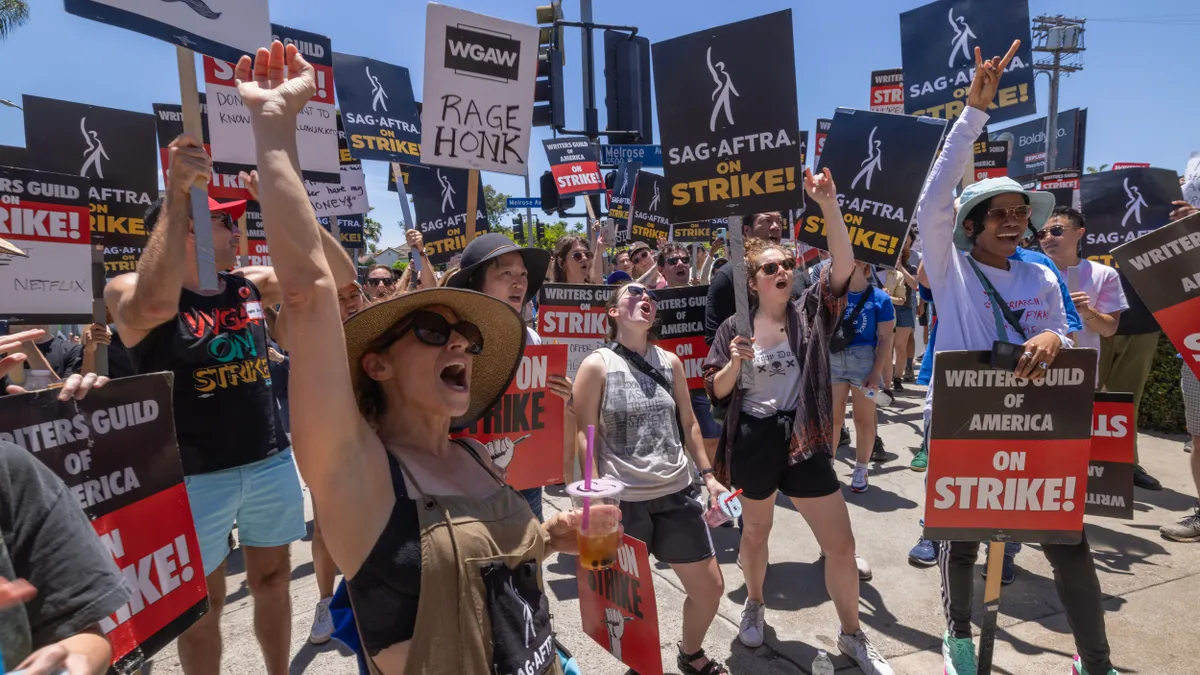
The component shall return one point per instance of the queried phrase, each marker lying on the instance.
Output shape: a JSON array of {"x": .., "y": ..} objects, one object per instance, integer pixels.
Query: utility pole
[{"x": 1058, "y": 36}]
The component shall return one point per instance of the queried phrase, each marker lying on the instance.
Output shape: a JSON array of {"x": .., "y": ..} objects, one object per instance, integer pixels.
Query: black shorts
[
  {"x": 759, "y": 462},
  {"x": 673, "y": 527}
]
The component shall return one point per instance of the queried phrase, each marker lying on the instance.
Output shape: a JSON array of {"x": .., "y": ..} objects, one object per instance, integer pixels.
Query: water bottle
[
  {"x": 822, "y": 665},
  {"x": 879, "y": 396}
]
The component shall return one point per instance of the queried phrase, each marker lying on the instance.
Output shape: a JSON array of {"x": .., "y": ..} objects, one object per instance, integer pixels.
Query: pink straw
[{"x": 587, "y": 475}]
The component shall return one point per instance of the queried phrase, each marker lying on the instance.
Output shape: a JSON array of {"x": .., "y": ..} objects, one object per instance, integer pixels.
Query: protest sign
[
  {"x": 1191, "y": 180},
  {"x": 1110, "y": 464},
  {"x": 681, "y": 328},
  {"x": 349, "y": 195},
  {"x": 224, "y": 30},
  {"x": 619, "y": 609},
  {"x": 397, "y": 169},
  {"x": 649, "y": 218},
  {"x": 45, "y": 215},
  {"x": 937, "y": 46},
  {"x": 819, "y": 139},
  {"x": 887, "y": 91},
  {"x": 1009, "y": 456},
  {"x": 256, "y": 236},
  {"x": 11, "y": 155},
  {"x": 803, "y": 148},
  {"x": 1063, "y": 185},
  {"x": 523, "y": 432},
  {"x": 479, "y": 84},
  {"x": 620, "y": 200},
  {"x": 693, "y": 233},
  {"x": 114, "y": 150},
  {"x": 1123, "y": 205},
  {"x": 233, "y": 147},
  {"x": 117, "y": 454},
  {"x": 1027, "y": 144},
  {"x": 575, "y": 163},
  {"x": 439, "y": 195},
  {"x": 879, "y": 162},
  {"x": 350, "y": 230},
  {"x": 573, "y": 314},
  {"x": 731, "y": 148},
  {"x": 378, "y": 109},
  {"x": 1164, "y": 269},
  {"x": 168, "y": 121},
  {"x": 1117, "y": 166},
  {"x": 991, "y": 160}
]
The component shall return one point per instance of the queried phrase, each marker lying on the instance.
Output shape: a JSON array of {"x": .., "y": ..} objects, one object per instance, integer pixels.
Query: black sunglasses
[
  {"x": 580, "y": 255},
  {"x": 434, "y": 330},
  {"x": 675, "y": 260},
  {"x": 772, "y": 268},
  {"x": 386, "y": 282},
  {"x": 1053, "y": 231},
  {"x": 639, "y": 291},
  {"x": 639, "y": 254}
]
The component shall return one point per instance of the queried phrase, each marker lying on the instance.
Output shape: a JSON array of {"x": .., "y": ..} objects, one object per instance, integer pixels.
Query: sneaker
[
  {"x": 861, "y": 564},
  {"x": 858, "y": 482},
  {"x": 1145, "y": 480},
  {"x": 877, "y": 452},
  {"x": 924, "y": 554},
  {"x": 920, "y": 462},
  {"x": 1186, "y": 528},
  {"x": 896, "y": 385},
  {"x": 1187, "y": 446},
  {"x": 958, "y": 655},
  {"x": 844, "y": 439},
  {"x": 322, "y": 628},
  {"x": 1078, "y": 669},
  {"x": 1008, "y": 570},
  {"x": 859, "y": 648},
  {"x": 908, "y": 375},
  {"x": 753, "y": 625}
]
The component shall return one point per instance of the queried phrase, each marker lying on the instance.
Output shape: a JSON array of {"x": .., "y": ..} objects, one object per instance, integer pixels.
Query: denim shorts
[
  {"x": 905, "y": 317},
  {"x": 852, "y": 365},
  {"x": 263, "y": 498},
  {"x": 704, "y": 417}
]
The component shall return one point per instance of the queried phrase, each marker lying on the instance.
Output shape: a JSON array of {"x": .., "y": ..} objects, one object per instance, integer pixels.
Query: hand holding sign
[
  {"x": 987, "y": 77},
  {"x": 820, "y": 188},
  {"x": 189, "y": 165},
  {"x": 1040, "y": 352},
  {"x": 282, "y": 83},
  {"x": 1182, "y": 210},
  {"x": 250, "y": 180}
]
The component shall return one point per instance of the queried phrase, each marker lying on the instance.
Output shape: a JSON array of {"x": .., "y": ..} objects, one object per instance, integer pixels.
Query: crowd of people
[{"x": 440, "y": 559}]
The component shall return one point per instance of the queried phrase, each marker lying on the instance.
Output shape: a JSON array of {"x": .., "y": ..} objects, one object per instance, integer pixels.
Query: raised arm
[
  {"x": 416, "y": 243},
  {"x": 143, "y": 300},
  {"x": 320, "y": 384},
  {"x": 821, "y": 189}
]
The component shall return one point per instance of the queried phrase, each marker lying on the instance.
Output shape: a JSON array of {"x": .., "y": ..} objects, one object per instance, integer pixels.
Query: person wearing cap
[
  {"x": 641, "y": 259},
  {"x": 424, "y": 529},
  {"x": 966, "y": 259},
  {"x": 236, "y": 456},
  {"x": 494, "y": 265}
]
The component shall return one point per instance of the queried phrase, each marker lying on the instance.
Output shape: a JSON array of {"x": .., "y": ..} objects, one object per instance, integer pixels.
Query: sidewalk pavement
[{"x": 1152, "y": 595}]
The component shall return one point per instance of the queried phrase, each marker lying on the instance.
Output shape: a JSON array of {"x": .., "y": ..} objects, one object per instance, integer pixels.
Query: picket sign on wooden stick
[
  {"x": 244, "y": 246},
  {"x": 741, "y": 292},
  {"x": 406, "y": 212},
  {"x": 99, "y": 309},
  {"x": 472, "y": 203},
  {"x": 189, "y": 96}
]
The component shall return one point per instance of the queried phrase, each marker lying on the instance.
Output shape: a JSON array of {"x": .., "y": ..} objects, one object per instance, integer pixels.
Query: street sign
[
  {"x": 524, "y": 202},
  {"x": 648, "y": 155}
]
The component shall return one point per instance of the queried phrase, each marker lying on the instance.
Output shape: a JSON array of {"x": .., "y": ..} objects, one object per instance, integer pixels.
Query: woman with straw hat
[{"x": 443, "y": 560}]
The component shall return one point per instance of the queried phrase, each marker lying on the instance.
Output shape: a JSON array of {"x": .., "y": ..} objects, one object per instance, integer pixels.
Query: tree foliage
[
  {"x": 497, "y": 206},
  {"x": 13, "y": 14}
]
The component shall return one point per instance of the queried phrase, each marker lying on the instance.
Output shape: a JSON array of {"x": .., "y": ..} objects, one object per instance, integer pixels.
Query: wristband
[{"x": 707, "y": 472}]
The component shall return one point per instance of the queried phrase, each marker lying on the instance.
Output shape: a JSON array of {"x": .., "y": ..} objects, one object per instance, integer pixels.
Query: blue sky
[{"x": 1138, "y": 83}]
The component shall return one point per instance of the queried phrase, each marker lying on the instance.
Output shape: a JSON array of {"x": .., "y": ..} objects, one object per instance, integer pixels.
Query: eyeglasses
[
  {"x": 1053, "y": 231},
  {"x": 581, "y": 255},
  {"x": 434, "y": 330},
  {"x": 772, "y": 268},
  {"x": 639, "y": 254},
  {"x": 1015, "y": 212},
  {"x": 686, "y": 260},
  {"x": 224, "y": 219},
  {"x": 639, "y": 291},
  {"x": 385, "y": 282}
]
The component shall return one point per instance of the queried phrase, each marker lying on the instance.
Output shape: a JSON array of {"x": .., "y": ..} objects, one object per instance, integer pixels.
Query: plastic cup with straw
[{"x": 599, "y": 499}]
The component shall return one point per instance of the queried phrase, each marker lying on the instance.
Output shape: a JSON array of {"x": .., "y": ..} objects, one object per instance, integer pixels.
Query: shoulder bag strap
[
  {"x": 858, "y": 309},
  {"x": 634, "y": 359},
  {"x": 999, "y": 306}
]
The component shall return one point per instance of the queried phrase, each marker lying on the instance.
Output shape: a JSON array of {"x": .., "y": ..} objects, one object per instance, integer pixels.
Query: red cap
[{"x": 235, "y": 209}]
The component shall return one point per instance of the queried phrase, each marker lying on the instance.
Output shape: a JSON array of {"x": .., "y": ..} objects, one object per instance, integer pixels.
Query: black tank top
[{"x": 225, "y": 413}]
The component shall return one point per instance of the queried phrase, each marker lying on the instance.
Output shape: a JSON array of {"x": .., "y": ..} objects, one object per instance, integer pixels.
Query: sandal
[{"x": 684, "y": 661}]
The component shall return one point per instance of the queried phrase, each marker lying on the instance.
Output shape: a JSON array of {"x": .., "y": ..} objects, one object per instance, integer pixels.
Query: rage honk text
[{"x": 1013, "y": 452}]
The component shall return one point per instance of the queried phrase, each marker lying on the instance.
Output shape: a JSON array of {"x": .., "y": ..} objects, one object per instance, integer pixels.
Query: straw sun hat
[{"x": 491, "y": 371}]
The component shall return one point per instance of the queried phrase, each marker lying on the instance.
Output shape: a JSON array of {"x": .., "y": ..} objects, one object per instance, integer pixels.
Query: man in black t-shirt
[{"x": 236, "y": 456}]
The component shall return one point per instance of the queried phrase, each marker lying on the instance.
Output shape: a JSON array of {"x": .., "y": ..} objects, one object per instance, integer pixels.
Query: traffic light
[
  {"x": 550, "y": 199},
  {"x": 610, "y": 182},
  {"x": 518, "y": 230},
  {"x": 541, "y": 230},
  {"x": 627, "y": 87},
  {"x": 549, "y": 109}
]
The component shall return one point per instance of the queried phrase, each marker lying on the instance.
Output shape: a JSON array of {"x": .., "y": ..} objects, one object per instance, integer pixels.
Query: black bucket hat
[{"x": 492, "y": 245}]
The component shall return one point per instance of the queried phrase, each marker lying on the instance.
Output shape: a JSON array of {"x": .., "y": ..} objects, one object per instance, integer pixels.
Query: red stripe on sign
[
  {"x": 1181, "y": 323},
  {"x": 691, "y": 352},
  {"x": 577, "y": 178},
  {"x": 1112, "y": 432},
  {"x": 324, "y": 85},
  {"x": 571, "y": 322},
  {"x": 153, "y": 542},
  {"x": 218, "y": 72},
  {"x": 34, "y": 221},
  {"x": 1007, "y": 485}
]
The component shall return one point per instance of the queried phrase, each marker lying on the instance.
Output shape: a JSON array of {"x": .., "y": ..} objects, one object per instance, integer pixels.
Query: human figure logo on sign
[
  {"x": 447, "y": 192},
  {"x": 721, "y": 94},
  {"x": 654, "y": 202},
  {"x": 1133, "y": 207},
  {"x": 874, "y": 156},
  {"x": 95, "y": 150},
  {"x": 377, "y": 91},
  {"x": 962, "y": 37}
]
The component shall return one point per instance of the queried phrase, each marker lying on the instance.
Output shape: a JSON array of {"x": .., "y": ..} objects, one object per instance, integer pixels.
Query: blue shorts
[
  {"x": 852, "y": 365},
  {"x": 704, "y": 417},
  {"x": 263, "y": 498},
  {"x": 906, "y": 317}
]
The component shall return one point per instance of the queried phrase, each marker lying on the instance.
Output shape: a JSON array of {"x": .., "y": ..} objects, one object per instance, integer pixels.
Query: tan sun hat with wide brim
[{"x": 491, "y": 370}]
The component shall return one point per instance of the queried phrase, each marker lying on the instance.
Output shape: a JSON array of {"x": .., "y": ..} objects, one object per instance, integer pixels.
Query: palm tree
[
  {"x": 1092, "y": 169},
  {"x": 13, "y": 13}
]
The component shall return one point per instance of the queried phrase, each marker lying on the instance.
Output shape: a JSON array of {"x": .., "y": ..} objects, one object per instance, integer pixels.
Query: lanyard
[{"x": 1000, "y": 310}]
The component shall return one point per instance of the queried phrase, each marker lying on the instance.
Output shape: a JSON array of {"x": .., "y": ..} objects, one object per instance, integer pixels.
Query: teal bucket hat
[{"x": 1041, "y": 204}]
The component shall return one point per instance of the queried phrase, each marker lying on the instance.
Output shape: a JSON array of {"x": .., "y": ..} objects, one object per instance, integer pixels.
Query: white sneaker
[
  {"x": 859, "y": 648},
  {"x": 753, "y": 624},
  {"x": 864, "y": 568},
  {"x": 858, "y": 482},
  {"x": 322, "y": 628}
]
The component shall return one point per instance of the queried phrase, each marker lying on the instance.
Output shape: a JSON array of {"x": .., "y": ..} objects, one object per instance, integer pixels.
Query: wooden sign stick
[
  {"x": 189, "y": 96},
  {"x": 991, "y": 607},
  {"x": 472, "y": 203},
  {"x": 406, "y": 213},
  {"x": 244, "y": 246}
]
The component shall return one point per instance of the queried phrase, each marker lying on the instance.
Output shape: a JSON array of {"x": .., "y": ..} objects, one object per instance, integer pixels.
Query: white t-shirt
[
  {"x": 776, "y": 381},
  {"x": 531, "y": 336},
  {"x": 1103, "y": 286}
]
